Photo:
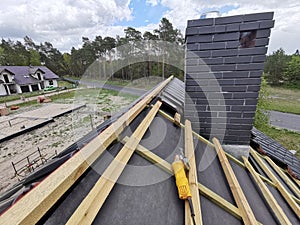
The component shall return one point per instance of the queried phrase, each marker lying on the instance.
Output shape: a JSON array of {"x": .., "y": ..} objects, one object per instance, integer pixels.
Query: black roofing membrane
[
  {"x": 294, "y": 219},
  {"x": 259, "y": 207}
]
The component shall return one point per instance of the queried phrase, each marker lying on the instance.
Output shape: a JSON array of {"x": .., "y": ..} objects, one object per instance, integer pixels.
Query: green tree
[
  {"x": 166, "y": 32},
  {"x": 261, "y": 119},
  {"x": 35, "y": 58},
  {"x": 275, "y": 66},
  {"x": 292, "y": 72}
]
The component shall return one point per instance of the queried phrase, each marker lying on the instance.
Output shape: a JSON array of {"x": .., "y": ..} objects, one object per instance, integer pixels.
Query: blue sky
[{"x": 143, "y": 13}]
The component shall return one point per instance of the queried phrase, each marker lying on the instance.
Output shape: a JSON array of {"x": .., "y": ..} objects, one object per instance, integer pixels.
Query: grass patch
[
  {"x": 284, "y": 99},
  {"x": 288, "y": 139}
]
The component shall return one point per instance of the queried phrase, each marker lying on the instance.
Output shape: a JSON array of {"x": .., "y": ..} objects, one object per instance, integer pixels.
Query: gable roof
[
  {"x": 22, "y": 74},
  {"x": 145, "y": 193}
]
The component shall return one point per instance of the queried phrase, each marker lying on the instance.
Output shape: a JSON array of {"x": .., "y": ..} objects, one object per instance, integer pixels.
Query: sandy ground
[{"x": 55, "y": 136}]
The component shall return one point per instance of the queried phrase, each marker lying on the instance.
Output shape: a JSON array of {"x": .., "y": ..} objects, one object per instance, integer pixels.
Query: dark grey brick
[
  {"x": 212, "y": 61},
  {"x": 242, "y": 139},
  {"x": 227, "y": 36},
  {"x": 213, "y": 46},
  {"x": 251, "y": 101},
  {"x": 239, "y": 127},
  {"x": 196, "y": 69},
  {"x": 192, "y": 31},
  {"x": 239, "y": 133},
  {"x": 235, "y": 74},
  {"x": 222, "y": 82},
  {"x": 200, "y": 22},
  {"x": 196, "y": 54},
  {"x": 248, "y": 115},
  {"x": 266, "y": 24},
  {"x": 242, "y": 121},
  {"x": 241, "y": 59},
  {"x": 192, "y": 47},
  {"x": 196, "y": 95},
  {"x": 254, "y": 74},
  {"x": 218, "y": 108},
  {"x": 193, "y": 61},
  {"x": 253, "y": 81},
  {"x": 251, "y": 66},
  {"x": 232, "y": 27},
  {"x": 226, "y": 67},
  {"x": 201, "y": 107},
  {"x": 206, "y": 30},
  {"x": 258, "y": 16},
  {"x": 252, "y": 51},
  {"x": 259, "y": 58},
  {"x": 240, "y": 95},
  {"x": 249, "y": 26},
  {"x": 199, "y": 38},
  {"x": 207, "y": 114},
  {"x": 232, "y": 44},
  {"x": 211, "y": 88},
  {"x": 224, "y": 53},
  {"x": 199, "y": 76},
  {"x": 219, "y": 95},
  {"x": 253, "y": 88},
  {"x": 234, "y": 88},
  {"x": 231, "y": 114},
  {"x": 220, "y": 29},
  {"x": 243, "y": 108},
  {"x": 261, "y": 42},
  {"x": 189, "y": 82},
  {"x": 263, "y": 33},
  {"x": 228, "y": 20},
  {"x": 205, "y": 102},
  {"x": 234, "y": 102}
]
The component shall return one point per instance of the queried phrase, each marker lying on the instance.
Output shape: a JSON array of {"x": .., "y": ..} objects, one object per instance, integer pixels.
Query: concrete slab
[
  {"x": 51, "y": 110},
  {"x": 12, "y": 126}
]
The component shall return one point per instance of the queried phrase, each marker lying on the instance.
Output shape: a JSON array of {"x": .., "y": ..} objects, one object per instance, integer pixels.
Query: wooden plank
[
  {"x": 284, "y": 177},
  {"x": 47, "y": 193},
  {"x": 277, "y": 210},
  {"x": 240, "y": 199},
  {"x": 90, "y": 206},
  {"x": 279, "y": 186},
  {"x": 177, "y": 118},
  {"x": 165, "y": 166},
  {"x": 192, "y": 177}
]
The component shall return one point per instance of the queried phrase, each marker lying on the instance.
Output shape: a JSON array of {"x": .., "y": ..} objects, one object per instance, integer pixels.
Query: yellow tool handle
[{"x": 182, "y": 182}]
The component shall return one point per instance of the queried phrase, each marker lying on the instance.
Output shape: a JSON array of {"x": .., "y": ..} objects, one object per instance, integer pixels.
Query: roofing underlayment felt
[{"x": 146, "y": 194}]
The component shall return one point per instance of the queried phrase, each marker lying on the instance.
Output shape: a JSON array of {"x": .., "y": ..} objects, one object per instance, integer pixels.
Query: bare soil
[{"x": 55, "y": 136}]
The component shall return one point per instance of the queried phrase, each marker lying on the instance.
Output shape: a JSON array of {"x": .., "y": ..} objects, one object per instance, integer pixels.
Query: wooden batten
[
  {"x": 90, "y": 206},
  {"x": 192, "y": 177},
  {"x": 282, "y": 218},
  {"x": 177, "y": 119},
  {"x": 31, "y": 208},
  {"x": 240, "y": 199},
  {"x": 209, "y": 194},
  {"x": 279, "y": 186},
  {"x": 284, "y": 177}
]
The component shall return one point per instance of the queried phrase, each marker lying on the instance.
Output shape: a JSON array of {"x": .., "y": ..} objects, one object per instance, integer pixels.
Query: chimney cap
[{"x": 210, "y": 14}]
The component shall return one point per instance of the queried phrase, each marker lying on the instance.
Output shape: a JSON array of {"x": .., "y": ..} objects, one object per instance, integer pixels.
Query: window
[
  {"x": 247, "y": 39},
  {"x": 39, "y": 76},
  {"x": 50, "y": 82},
  {"x": 5, "y": 77}
]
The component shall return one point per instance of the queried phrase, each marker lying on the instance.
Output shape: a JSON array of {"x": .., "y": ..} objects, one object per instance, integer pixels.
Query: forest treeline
[{"x": 280, "y": 68}]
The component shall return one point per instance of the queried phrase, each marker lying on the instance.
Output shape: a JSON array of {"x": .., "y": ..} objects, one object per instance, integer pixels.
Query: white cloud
[
  {"x": 64, "y": 22},
  {"x": 152, "y": 2}
]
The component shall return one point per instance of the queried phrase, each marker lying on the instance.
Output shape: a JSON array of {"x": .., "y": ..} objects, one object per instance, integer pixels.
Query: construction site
[{"x": 183, "y": 152}]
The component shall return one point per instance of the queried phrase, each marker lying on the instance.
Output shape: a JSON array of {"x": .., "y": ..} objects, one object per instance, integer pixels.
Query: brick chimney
[{"x": 224, "y": 64}]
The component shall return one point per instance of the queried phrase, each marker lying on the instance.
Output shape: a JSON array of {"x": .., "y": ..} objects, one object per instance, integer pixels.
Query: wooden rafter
[
  {"x": 279, "y": 186},
  {"x": 239, "y": 197},
  {"x": 192, "y": 177},
  {"x": 282, "y": 218},
  {"x": 284, "y": 177},
  {"x": 177, "y": 118},
  {"x": 46, "y": 194},
  {"x": 90, "y": 206},
  {"x": 209, "y": 194}
]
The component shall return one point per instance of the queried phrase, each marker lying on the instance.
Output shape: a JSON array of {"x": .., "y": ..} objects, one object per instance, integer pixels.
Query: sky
[{"x": 65, "y": 22}]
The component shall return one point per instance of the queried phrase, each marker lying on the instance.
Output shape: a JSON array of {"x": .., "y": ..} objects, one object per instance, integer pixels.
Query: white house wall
[
  {"x": 55, "y": 84},
  {"x": 8, "y": 75},
  {"x": 2, "y": 90}
]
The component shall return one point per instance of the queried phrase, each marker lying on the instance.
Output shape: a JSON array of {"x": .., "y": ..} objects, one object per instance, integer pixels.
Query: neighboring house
[{"x": 22, "y": 79}]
